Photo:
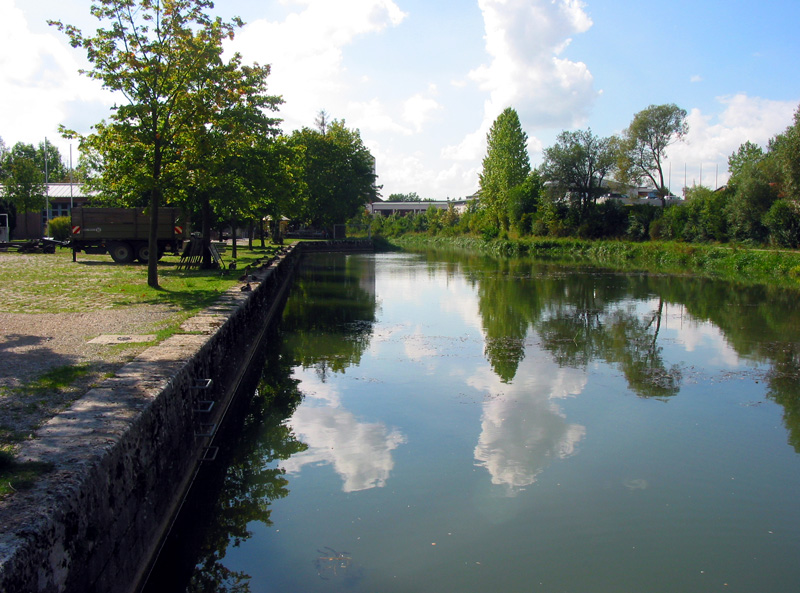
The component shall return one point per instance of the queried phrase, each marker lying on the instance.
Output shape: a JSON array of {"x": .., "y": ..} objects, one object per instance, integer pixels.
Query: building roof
[{"x": 63, "y": 190}]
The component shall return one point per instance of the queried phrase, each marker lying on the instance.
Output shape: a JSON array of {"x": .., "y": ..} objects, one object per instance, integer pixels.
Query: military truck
[{"x": 123, "y": 232}]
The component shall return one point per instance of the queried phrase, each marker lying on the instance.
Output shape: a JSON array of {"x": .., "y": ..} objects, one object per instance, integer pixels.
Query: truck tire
[
  {"x": 143, "y": 253},
  {"x": 122, "y": 253}
]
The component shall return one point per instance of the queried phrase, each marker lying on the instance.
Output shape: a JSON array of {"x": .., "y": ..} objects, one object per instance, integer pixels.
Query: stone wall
[{"x": 124, "y": 454}]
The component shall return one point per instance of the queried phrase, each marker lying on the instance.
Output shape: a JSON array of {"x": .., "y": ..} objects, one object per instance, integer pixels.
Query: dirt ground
[
  {"x": 35, "y": 345},
  {"x": 47, "y": 360}
]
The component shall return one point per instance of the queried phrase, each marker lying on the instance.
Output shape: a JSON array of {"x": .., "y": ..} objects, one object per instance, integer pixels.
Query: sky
[{"x": 423, "y": 80}]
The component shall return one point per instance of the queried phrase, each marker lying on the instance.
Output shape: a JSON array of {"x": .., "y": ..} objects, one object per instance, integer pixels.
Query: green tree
[
  {"x": 159, "y": 55},
  {"x": 339, "y": 172},
  {"x": 741, "y": 162},
  {"x": 705, "y": 215},
  {"x": 786, "y": 150},
  {"x": 783, "y": 222},
  {"x": 523, "y": 202},
  {"x": 48, "y": 158},
  {"x": 225, "y": 152},
  {"x": 505, "y": 166},
  {"x": 3, "y": 155},
  {"x": 642, "y": 149},
  {"x": 410, "y": 197},
  {"x": 24, "y": 182},
  {"x": 578, "y": 162}
]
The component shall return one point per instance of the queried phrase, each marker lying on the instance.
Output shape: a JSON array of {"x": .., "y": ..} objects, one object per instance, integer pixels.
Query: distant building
[
  {"x": 61, "y": 197},
  {"x": 404, "y": 208}
]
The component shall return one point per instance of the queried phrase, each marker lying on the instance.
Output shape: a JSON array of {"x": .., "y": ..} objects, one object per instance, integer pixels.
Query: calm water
[{"x": 450, "y": 424}]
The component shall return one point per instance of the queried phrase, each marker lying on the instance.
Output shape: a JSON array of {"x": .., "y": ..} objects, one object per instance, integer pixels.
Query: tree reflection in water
[
  {"x": 237, "y": 488},
  {"x": 326, "y": 325},
  {"x": 585, "y": 315},
  {"x": 576, "y": 318}
]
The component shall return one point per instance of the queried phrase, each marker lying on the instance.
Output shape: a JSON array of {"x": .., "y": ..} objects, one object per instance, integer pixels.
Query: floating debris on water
[{"x": 635, "y": 484}]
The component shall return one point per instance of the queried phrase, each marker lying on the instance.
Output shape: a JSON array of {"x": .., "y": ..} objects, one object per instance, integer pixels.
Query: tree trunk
[
  {"x": 206, "y": 230},
  {"x": 152, "y": 241},
  {"x": 155, "y": 201},
  {"x": 233, "y": 239}
]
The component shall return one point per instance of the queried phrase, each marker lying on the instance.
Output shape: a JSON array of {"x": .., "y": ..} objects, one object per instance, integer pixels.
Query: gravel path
[{"x": 31, "y": 345}]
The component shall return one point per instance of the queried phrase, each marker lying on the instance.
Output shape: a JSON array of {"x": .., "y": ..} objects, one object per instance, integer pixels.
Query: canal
[{"x": 437, "y": 422}]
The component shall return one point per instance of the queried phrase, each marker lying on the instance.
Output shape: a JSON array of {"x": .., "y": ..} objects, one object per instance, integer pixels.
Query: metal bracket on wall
[
  {"x": 204, "y": 406},
  {"x": 205, "y": 430},
  {"x": 210, "y": 454}
]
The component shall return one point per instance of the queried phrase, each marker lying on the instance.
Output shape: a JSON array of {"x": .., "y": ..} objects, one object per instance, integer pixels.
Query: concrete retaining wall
[{"x": 123, "y": 455}]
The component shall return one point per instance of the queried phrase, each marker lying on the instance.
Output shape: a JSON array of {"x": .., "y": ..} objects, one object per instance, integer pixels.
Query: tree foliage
[
  {"x": 643, "y": 147},
  {"x": 24, "y": 180},
  {"x": 409, "y": 197},
  {"x": 505, "y": 166},
  {"x": 165, "y": 58},
  {"x": 578, "y": 163},
  {"x": 339, "y": 172},
  {"x": 786, "y": 151}
]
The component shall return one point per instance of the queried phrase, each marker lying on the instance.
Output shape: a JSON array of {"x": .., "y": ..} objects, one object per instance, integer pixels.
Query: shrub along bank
[{"x": 752, "y": 266}]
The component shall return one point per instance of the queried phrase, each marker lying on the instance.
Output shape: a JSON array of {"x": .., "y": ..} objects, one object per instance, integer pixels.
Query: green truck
[{"x": 123, "y": 232}]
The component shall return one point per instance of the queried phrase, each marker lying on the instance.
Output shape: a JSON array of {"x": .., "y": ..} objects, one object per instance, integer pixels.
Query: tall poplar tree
[
  {"x": 160, "y": 56},
  {"x": 505, "y": 166}
]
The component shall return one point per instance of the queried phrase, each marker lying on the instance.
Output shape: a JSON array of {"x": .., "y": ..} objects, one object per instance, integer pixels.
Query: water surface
[{"x": 441, "y": 423}]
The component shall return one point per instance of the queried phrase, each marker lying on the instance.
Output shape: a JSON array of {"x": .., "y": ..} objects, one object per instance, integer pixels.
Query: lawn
[{"x": 53, "y": 283}]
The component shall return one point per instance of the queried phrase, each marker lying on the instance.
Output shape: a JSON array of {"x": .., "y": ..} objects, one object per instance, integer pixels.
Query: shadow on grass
[
  {"x": 36, "y": 353},
  {"x": 185, "y": 300},
  {"x": 19, "y": 476}
]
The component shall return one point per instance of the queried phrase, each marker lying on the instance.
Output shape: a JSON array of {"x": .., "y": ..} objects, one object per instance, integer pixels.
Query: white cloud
[
  {"x": 360, "y": 452},
  {"x": 40, "y": 85},
  {"x": 713, "y": 138},
  {"x": 525, "y": 40},
  {"x": 305, "y": 51},
  {"x": 372, "y": 117},
  {"x": 522, "y": 428},
  {"x": 418, "y": 109}
]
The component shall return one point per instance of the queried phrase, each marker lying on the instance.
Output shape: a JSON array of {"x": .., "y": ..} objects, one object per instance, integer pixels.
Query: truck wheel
[
  {"x": 122, "y": 253},
  {"x": 143, "y": 253}
]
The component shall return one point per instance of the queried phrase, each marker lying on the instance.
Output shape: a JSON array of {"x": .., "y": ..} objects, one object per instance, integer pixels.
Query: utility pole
[
  {"x": 70, "y": 178},
  {"x": 46, "y": 189}
]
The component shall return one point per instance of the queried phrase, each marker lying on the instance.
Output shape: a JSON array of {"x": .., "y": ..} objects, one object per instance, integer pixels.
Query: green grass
[
  {"x": 56, "y": 379},
  {"x": 53, "y": 283},
  {"x": 16, "y": 476}
]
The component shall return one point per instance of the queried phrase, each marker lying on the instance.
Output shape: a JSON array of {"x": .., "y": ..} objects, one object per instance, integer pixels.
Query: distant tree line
[{"x": 760, "y": 205}]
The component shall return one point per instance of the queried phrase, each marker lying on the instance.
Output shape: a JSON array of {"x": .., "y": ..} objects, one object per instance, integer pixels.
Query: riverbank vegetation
[
  {"x": 760, "y": 206},
  {"x": 746, "y": 229},
  {"x": 740, "y": 264}
]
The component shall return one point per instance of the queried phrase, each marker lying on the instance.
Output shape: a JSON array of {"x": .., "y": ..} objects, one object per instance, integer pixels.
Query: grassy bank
[
  {"x": 38, "y": 284},
  {"x": 758, "y": 266},
  {"x": 53, "y": 283}
]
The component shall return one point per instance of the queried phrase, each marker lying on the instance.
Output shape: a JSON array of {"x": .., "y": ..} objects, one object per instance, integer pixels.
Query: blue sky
[{"x": 423, "y": 81}]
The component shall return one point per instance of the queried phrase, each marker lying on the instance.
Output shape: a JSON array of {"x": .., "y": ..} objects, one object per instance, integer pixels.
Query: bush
[
  {"x": 59, "y": 228},
  {"x": 783, "y": 222}
]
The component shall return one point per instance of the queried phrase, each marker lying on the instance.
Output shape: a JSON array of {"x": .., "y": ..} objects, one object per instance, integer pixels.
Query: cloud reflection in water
[
  {"x": 522, "y": 428},
  {"x": 360, "y": 452}
]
